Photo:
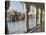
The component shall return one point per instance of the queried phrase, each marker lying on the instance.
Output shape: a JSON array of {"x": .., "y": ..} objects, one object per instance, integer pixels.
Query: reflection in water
[{"x": 18, "y": 26}]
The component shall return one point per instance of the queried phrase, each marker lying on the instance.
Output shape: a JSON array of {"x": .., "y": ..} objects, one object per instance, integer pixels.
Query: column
[
  {"x": 26, "y": 29},
  {"x": 42, "y": 23},
  {"x": 43, "y": 20},
  {"x": 7, "y": 4},
  {"x": 36, "y": 15},
  {"x": 39, "y": 18},
  {"x": 39, "y": 10}
]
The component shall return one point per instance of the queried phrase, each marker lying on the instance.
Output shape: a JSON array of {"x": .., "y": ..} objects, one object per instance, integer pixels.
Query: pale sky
[{"x": 14, "y": 5}]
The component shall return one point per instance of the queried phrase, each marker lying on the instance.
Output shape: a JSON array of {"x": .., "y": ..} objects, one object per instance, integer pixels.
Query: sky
[
  {"x": 18, "y": 6},
  {"x": 14, "y": 5}
]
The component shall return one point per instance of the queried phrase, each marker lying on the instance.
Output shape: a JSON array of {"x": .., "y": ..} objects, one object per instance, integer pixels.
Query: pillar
[
  {"x": 7, "y": 4},
  {"x": 39, "y": 17},
  {"x": 26, "y": 29},
  {"x": 39, "y": 10},
  {"x": 36, "y": 15},
  {"x": 42, "y": 22}
]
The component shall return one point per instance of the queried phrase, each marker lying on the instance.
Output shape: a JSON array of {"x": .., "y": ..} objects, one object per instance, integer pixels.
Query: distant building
[{"x": 12, "y": 15}]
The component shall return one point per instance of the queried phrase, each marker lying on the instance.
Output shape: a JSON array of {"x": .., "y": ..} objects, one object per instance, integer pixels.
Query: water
[{"x": 18, "y": 26}]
